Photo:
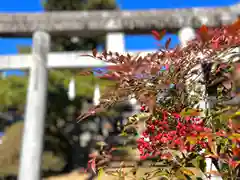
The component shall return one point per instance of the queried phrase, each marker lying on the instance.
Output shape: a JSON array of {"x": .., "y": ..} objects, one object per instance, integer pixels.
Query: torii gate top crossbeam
[{"x": 92, "y": 23}]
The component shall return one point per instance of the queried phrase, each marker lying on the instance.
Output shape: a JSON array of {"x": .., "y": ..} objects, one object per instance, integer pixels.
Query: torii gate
[{"x": 83, "y": 24}]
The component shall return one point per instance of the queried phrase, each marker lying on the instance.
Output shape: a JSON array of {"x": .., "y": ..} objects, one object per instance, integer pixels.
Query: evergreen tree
[{"x": 68, "y": 43}]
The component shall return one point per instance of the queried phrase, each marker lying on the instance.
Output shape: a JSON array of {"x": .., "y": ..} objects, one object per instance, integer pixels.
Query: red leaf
[
  {"x": 106, "y": 76},
  {"x": 227, "y": 84},
  {"x": 85, "y": 73},
  {"x": 155, "y": 34},
  {"x": 158, "y": 35},
  {"x": 233, "y": 163},
  {"x": 92, "y": 164},
  {"x": 168, "y": 43},
  {"x": 232, "y": 29},
  {"x": 104, "y": 54},
  {"x": 215, "y": 44},
  {"x": 166, "y": 156},
  {"x": 203, "y": 29},
  {"x": 236, "y": 151},
  {"x": 119, "y": 67},
  {"x": 237, "y": 66},
  {"x": 94, "y": 52},
  {"x": 162, "y": 34},
  {"x": 212, "y": 145},
  {"x": 203, "y": 32}
]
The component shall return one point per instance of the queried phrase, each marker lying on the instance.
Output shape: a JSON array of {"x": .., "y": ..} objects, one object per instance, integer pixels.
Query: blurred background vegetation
[{"x": 14, "y": 88}]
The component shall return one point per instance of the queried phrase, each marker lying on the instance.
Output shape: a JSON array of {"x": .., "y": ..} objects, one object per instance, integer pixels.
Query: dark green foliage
[
  {"x": 58, "y": 143},
  {"x": 13, "y": 89},
  {"x": 13, "y": 93},
  {"x": 64, "y": 43}
]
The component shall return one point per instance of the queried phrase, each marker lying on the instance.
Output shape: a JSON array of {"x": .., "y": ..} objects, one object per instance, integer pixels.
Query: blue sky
[{"x": 9, "y": 46}]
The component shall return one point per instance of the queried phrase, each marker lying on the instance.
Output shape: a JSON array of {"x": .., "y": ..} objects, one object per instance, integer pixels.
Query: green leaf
[
  {"x": 191, "y": 172},
  {"x": 161, "y": 174},
  {"x": 180, "y": 175},
  {"x": 190, "y": 112},
  {"x": 187, "y": 171},
  {"x": 123, "y": 134},
  {"x": 197, "y": 161},
  {"x": 100, "y": 174},
  {"x": 192, "y": 140},
  {"x": 236, "y": 115},
  {"x": 234, "y": 136}
]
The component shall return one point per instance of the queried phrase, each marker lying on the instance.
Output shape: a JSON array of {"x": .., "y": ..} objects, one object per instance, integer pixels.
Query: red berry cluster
[{"x": 171, "y": 131}]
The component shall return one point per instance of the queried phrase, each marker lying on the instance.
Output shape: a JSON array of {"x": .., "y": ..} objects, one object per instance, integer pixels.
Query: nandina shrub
[
  {"x": 171, "y": 131},
  {"x": 160, "y": 136}
]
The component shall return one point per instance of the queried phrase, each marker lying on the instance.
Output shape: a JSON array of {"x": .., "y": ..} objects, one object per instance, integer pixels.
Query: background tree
[
  {"x": 13, "y": 94},
  {"x": 68, "y": 43},
  {"x": 13, "y": 88}
]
